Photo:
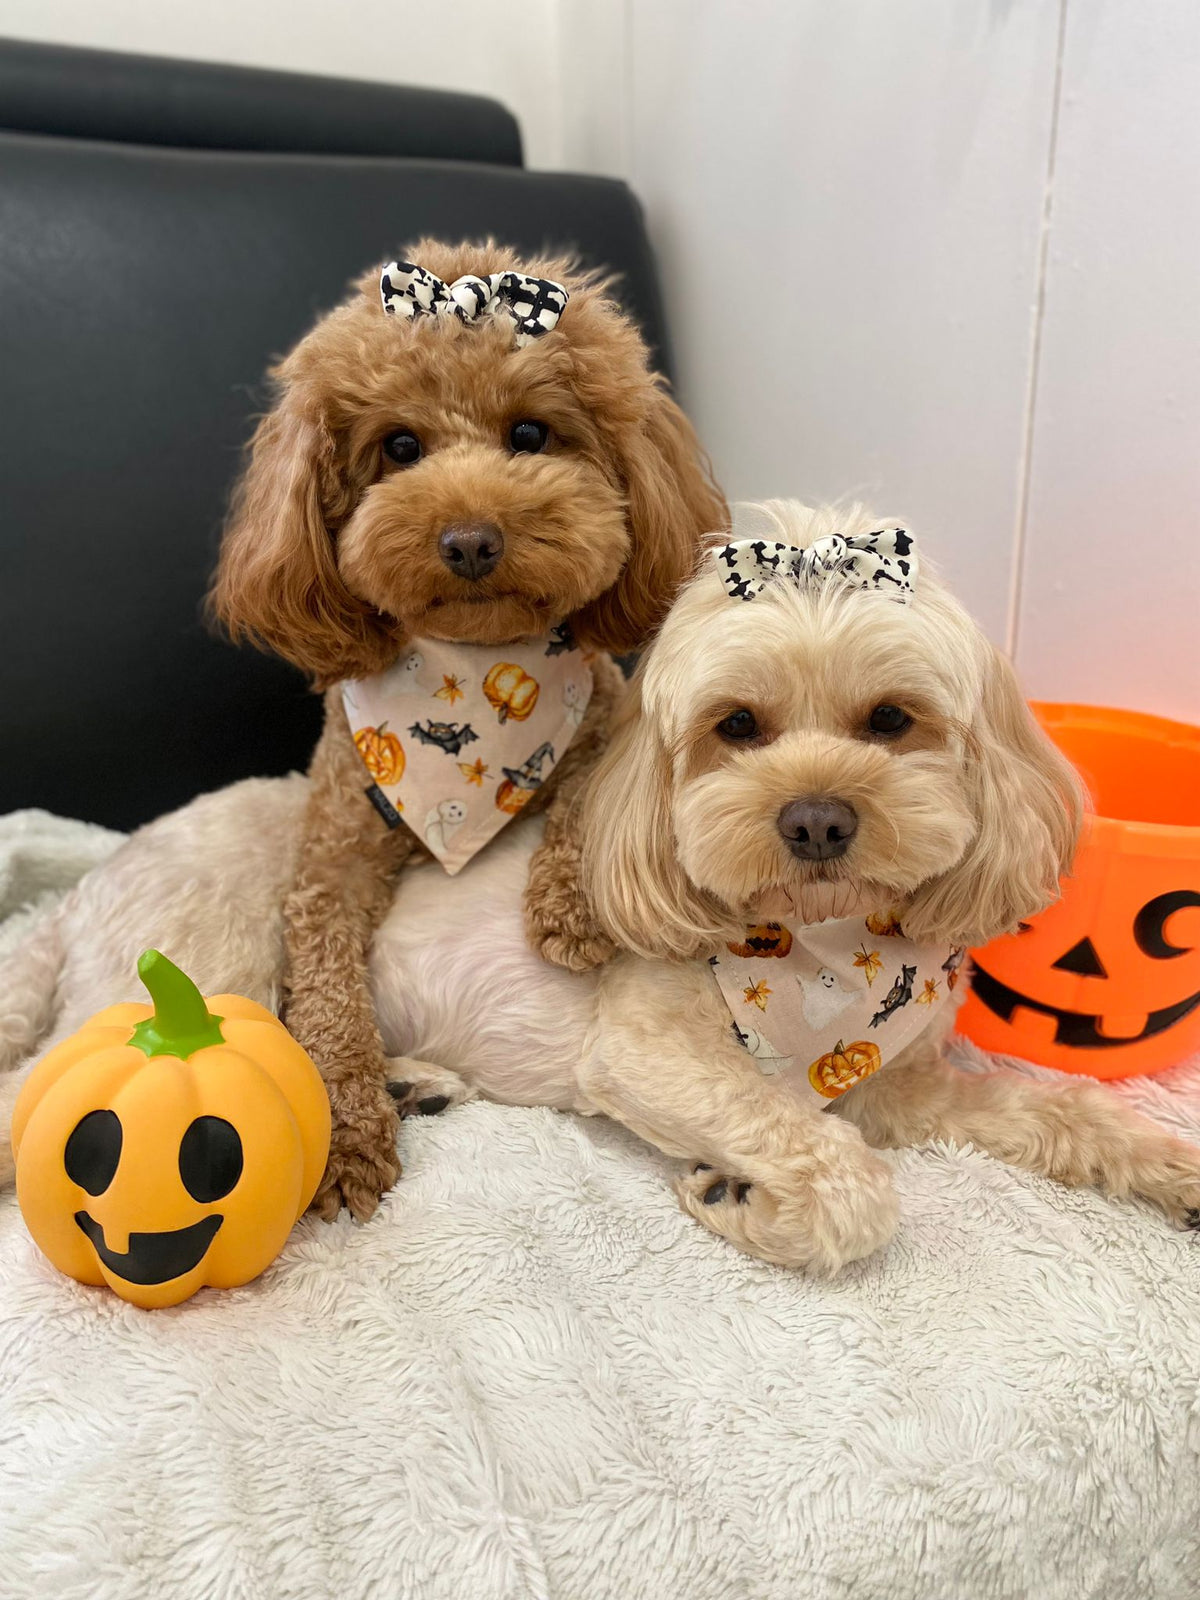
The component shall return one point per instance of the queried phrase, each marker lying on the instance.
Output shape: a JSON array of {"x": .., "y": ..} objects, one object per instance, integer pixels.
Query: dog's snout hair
[{"x": 964, "y": 819}]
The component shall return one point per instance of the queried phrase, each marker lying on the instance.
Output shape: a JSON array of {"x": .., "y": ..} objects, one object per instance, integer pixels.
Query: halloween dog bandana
[
  {"x": 827, "y": 1004},
  {"x": 455, "y": 738}
]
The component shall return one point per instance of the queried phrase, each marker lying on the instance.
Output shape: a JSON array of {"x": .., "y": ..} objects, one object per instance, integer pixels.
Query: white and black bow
[
  {"x": 885, "y": 560},
  {"x": 534, "y": 304}
]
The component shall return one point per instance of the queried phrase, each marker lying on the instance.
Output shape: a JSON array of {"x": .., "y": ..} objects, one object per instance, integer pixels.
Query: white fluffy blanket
[{"x": 532, "y": 1376}]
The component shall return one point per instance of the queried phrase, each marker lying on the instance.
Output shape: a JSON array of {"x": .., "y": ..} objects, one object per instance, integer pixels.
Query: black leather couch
[{"x": 166, "y": 228}]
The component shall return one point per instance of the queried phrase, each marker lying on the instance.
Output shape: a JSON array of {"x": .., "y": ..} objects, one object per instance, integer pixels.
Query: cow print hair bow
[
  {"x": 885, "y": 560},
  {"x": 535, "y": 304}
]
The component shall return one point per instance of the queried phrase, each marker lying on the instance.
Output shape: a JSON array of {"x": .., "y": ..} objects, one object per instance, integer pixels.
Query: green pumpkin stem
[{"x": 182, "y": 1023}]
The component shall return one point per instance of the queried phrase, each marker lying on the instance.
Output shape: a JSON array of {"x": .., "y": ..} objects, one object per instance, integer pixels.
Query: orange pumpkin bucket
[{"x": 1107, "y": 981}]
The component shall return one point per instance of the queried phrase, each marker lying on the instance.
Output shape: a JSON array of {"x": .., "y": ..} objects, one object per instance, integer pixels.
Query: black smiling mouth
[
  {"x": 153, "y": 1257},
  {"x": 1074, "y": 1028}
]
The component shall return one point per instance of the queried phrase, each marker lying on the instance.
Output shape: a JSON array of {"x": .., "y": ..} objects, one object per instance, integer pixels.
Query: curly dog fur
[{"x": 331, "y": 560}]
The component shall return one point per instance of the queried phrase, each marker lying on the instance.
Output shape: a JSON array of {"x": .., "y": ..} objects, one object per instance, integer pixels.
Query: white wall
[
  {"x": 848, "y": 223},
  {"x": 943, "y": 255},
  {"x": 940, "y": 254},
  {"x": 1110, "y": 595}
]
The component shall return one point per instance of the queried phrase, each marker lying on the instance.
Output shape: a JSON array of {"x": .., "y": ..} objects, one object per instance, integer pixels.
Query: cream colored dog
[{"x": 964, "y": 818}]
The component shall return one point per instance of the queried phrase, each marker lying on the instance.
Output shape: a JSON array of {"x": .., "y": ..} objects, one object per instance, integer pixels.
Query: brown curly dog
[{"x": 334, "y": 558}]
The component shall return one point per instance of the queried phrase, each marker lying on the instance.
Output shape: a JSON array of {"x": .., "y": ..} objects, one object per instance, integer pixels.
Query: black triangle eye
[
  {"x": 93, "y": 1151},
  {"x": 1082, "y": 959},
  {"x": 210, "y": 1158}
]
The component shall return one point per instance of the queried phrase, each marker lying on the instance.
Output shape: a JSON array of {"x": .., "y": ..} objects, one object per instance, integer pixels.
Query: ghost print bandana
[
  {"x": 456, "y": 738},
  {"x": 826, "y": 1005}
]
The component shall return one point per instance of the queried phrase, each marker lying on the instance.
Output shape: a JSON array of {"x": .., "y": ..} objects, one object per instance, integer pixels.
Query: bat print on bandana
[
  {"x": 561, "y": 639},
  {"x": 898, "y": 995},
  {"x": 446, "y": 736}
]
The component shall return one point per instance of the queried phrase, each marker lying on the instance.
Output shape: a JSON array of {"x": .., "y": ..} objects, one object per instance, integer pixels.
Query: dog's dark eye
[
  {"x": 738, "y": 726},
  {"x": 527, "y": 438},
  {"x": 402, "y": 447},
  {"x": 888, "y": 721}
]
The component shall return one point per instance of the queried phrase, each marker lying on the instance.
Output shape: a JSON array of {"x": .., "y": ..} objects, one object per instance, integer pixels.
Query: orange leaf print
[
  {"x": 473, "y": 771},
  {"x": 451, "y": 689},
  {"x": 929, "y": 994},
  {"x": 869, "y": 961},
  {"x": 756, "y": 994}
]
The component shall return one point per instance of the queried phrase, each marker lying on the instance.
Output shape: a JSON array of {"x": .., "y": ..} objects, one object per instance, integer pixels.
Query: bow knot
[
  {"x": 534, "y": 304},
  {"x": 885, "y": 560}
]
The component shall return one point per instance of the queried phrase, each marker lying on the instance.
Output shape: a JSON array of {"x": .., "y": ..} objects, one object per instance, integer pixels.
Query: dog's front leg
[
  {"x": 347, "y": 863},
  {"x": 772, "y": 1174},
  {"x": 559, "y": 922},
  {"x": 1076, "y": 1133}
]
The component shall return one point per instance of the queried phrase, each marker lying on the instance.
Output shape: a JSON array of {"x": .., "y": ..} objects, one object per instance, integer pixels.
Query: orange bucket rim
[{"x": 1053, "y": 714}]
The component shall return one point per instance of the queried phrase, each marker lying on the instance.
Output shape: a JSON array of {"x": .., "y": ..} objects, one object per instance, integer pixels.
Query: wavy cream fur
[{"x": 967, "y": 833}]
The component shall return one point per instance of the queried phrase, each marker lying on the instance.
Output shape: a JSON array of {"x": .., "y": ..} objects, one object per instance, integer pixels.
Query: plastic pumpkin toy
[
  {"x": 162, "y": 1149},
  {"x": 510, "y": 691},
  {"x": 1107, "y": 981},
  {"x": 844, "y": 1066}
]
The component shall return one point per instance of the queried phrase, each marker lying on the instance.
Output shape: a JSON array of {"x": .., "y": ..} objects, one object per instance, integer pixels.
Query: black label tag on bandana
[{"x": 383, "y": 805}]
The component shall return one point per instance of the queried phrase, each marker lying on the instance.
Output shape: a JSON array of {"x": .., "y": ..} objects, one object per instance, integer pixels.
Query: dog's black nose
[
  {"x": 471, "y": 549},
  {"x": 818, "y": 830}
]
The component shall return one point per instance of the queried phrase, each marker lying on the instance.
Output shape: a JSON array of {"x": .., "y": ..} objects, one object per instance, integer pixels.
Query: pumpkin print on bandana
[
  {"x": 455, "y": 739},
  {"x": 827, "y": 1005}
]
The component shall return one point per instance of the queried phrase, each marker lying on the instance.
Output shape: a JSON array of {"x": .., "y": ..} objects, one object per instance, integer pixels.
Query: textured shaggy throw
[{"x": 532, "y": 1376}]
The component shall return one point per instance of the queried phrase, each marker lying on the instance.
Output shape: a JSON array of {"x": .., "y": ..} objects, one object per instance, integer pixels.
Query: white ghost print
[
  {"x": 443, "y": 822},
  {"x": 575, "y": 702},
  {"x": 824, "y": 997},
  {"x": 407, "y": 676}
]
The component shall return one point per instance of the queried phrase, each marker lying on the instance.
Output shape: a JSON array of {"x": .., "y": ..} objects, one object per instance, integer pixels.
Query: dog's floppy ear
[
  {"x": 631, "y": 876},
  {"x": 1028, "y": 804},
  {"x": 277, "y": 582},
  {"x": 672, "y": 502}
]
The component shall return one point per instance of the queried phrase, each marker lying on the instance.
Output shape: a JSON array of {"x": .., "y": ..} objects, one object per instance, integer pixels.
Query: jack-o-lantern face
[
  {"x": 160, "y": 1151},
  {"x": 1107, "y": 981},
  {"x": 382, "y": 753},
  {"x": 764, "y": 939}
]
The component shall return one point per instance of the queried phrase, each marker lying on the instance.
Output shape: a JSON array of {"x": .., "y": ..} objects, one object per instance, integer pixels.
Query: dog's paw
[
  {"x": 419, "y": 1089},
  {"x": 1180, "y": 1199},
  {"x": 558, "y": 927},
  {"x": 1166, "y": 1171},
  {"x": 577, "y": 953},
  {"x": 362, "y": 1164},
  {"x": 812, "y": 1214}
]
